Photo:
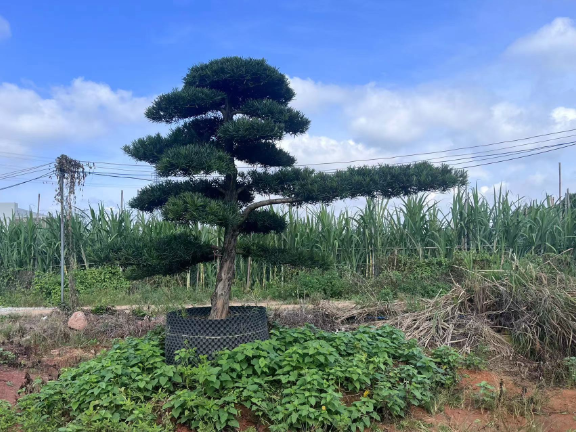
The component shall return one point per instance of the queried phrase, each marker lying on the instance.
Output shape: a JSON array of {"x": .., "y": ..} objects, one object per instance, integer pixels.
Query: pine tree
[{"x": 237, "y": 110}]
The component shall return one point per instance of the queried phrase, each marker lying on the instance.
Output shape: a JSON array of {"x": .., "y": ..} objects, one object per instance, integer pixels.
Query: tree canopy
[{"x": 223, "y": 155}]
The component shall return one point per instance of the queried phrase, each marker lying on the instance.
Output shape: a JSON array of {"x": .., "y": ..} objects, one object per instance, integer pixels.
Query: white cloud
[
  {"x": 564, "y": 117},
  {"x": 487, "y": 105},
  {"x": 313, "y": 96},
  {"x": 319, "y": 149},
  {"x": 553, "y": 46},
  {"x": 438, "y": 117},
  {"x": 5, "y": 32},
  {"x": 80, "y": 111}
]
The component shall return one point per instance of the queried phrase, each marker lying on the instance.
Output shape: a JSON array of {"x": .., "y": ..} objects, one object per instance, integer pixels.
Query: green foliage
[
  {"x": 7, "y": 357},
  {"x": 367, "y": 241},
  {"x": 486, "y": 397},
  {"x": 153, "y": 253},
  {"x": 309, "y": 284},
  {"x": 449, "y": 360},
  {"x": 88, "y": 281},
  {"x": 7, "y": 417},
  {"x": 300, "y": 379},
  {"x": 305, "y": 185},
  {"x": 237, "y": 110},
  {"x": 476, "y": 360},
  {"x": 109, "y": 387},
  {"x": 570, "y": 365},
  {"x": 102, "y": 310}
]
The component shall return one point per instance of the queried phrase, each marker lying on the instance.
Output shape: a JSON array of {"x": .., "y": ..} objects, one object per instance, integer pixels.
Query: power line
[
  {"x": 487, "y": 152},
  {"x": 119, "y": 176},
  {"x": 571, "y": 144},
  {"x": 533, "y": 152},
  {"x": 26, "y": 181},
  {"x": 406, "y": 155},
  {"x": 493, "y": 156},
  {"x": 24, "y": 172},
  {"x": 444, "y": 151},
  {"x": 23, "y": 156}
]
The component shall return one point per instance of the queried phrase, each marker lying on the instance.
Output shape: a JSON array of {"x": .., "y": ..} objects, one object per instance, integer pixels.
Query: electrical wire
[
  {"x": 8, "y": 177},
  {"x": 406, "y": 155},
  {"x": 26, "y": 181},
  {"x": 521, "y": 157}
]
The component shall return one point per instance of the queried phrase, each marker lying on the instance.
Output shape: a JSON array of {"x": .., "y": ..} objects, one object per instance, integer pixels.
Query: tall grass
[{"x": 356, "y": 239}]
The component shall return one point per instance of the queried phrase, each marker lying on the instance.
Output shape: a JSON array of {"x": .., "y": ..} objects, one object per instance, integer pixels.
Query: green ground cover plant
[{"x": 299, "y": 379}]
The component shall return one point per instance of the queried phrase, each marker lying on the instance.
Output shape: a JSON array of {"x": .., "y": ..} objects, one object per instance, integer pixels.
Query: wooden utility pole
[
  {"x": 121, "y": 200},
  {"x": 38, "y": 209}
]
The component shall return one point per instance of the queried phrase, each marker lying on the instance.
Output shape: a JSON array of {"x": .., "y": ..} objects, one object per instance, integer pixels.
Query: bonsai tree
[{"x": 236, "y": 110}]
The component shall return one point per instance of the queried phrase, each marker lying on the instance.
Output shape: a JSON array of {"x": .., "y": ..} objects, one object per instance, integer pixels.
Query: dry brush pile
[{"x": 528, "y": 310}]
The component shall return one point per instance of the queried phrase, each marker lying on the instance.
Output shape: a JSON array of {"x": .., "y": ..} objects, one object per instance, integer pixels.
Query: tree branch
[{"x": 264, "y": 203}]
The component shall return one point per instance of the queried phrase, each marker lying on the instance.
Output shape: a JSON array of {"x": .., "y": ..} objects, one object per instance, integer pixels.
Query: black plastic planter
[{"x": 191, "y": 328}]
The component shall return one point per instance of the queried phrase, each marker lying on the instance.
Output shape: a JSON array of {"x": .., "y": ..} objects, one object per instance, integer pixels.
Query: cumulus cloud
[
  {"x": 80, "y": 111},
  {"x": 564, "y": 117},
  {"x": 439, "y": 116},
  {"x": 465, "y": 111},
  {"x": 319, "y": 149},
  {"x": 5, "y": 32},
  {"x": 553, "y": 46}
]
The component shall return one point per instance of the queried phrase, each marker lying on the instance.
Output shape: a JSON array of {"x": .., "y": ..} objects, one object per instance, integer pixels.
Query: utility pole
[
  {"x": 38, "y": 209},
  {"x": 121, "y": 200},
  {"x": 559, "y": 181},
  {"x": 61, "y": 186}
]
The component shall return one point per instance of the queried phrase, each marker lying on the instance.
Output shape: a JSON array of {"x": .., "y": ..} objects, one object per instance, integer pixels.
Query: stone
[{"x": 78, "y": 321}]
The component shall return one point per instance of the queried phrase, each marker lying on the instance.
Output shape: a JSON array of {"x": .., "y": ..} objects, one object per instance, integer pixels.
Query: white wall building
[{"x": 11, "y": 209}]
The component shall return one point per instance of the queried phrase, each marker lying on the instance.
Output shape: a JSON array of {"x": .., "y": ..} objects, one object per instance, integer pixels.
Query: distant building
[{"x": 10, "y": 210}]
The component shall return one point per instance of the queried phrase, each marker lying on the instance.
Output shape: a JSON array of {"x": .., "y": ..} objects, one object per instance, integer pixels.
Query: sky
[{"x": 377, "y": 78}]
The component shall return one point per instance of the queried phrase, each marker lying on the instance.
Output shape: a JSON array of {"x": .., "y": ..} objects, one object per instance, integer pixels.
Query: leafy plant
[
  {"x": 8, "y": 417},
  {"x": 449, "y": 360},
  {"x": 486, "y": 397},
  {"x": 102, "y": 310},
  {"x": 7, "y": 357},
  {"x": 109, "y": 386},
  {"x": 475, "y": 360}
]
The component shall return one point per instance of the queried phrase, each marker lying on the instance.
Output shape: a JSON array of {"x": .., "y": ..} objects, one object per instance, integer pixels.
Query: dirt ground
[
  {"x": 557, "y": 413},
  {"x": 32, "y": 367}
]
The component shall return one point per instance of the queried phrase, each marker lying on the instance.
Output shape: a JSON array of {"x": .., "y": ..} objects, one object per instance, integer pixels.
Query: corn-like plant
[{"x": 356, "y": 239}]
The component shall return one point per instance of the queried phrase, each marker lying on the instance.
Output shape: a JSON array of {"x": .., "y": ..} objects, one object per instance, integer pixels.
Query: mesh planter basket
[{"x": 191, "y": 328}]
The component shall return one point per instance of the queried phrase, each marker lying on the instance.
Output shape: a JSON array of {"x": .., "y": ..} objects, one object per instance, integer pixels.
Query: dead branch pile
[{"x": 527, "y": 310}]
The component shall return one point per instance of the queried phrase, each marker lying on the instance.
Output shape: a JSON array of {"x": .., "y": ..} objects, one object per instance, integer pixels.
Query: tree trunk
[{"x": 225, "y": 278}]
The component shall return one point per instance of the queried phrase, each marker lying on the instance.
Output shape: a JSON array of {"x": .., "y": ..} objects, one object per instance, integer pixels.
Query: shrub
[
  {"x": 310, "y": 283},
  {"x": 88, "y": 282}
]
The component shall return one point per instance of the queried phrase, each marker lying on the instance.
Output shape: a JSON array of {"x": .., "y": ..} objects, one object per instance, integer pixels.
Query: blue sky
[{"x": 377, "y": 78}]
